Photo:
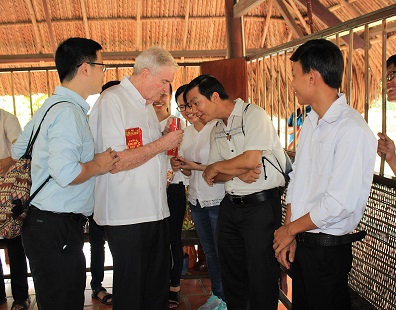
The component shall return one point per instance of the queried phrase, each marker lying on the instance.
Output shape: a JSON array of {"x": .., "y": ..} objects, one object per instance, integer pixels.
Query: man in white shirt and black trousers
[
  {"x": 251, "y": 210},
  {"x": 330, "y": 183}
]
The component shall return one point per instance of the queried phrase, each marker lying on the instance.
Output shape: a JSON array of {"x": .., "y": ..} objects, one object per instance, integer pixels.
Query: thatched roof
[{"x": 192, "y": 30}]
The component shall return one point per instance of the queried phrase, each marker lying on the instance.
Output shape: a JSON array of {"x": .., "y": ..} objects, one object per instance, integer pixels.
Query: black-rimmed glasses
[
  {"x": 94, "y": 63},
  {"x": 183, "y": 107},
  {"x": 390, "y": 76}
]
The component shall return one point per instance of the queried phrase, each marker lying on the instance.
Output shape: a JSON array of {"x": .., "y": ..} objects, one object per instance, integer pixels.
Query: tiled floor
[{"x": 194, "y": 292}]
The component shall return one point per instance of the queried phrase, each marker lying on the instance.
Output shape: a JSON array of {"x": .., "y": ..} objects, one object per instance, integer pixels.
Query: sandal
[
  {"x": 174, "y": 299},
  {"x": 105, "y": 299},
  {"x": 21, "y": 304}
]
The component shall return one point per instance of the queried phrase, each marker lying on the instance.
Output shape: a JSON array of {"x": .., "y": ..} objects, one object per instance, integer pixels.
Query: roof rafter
[
  {"x": 36, "y": 31},
  {"x": 292, "y": 5},
  {"x": 267, "y": 22},
  {"x": 49, "y": 26},
  {"x": 138, "y": 25},
  {"x": 329, "y": 19},
  {"x": 186, "y": 24},
  {"x": 85, "y": 18},
  {"x": 244, "y": 6},
  {"x": 289, "y": 19}
]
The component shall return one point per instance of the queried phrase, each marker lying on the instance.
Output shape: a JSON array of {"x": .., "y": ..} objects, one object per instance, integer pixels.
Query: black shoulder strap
[
  {"x": 243, "y": 113},
  {"x": 29, "y": 148}
]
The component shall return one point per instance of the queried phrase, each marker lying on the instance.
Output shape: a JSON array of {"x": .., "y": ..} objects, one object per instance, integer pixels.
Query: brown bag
[{"x": 15, "y": 187}]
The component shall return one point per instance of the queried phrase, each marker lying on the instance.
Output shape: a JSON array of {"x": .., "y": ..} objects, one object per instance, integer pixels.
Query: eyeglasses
[
  {"x": 94, "y": 63},
  {"x": 390, "y": 76},
  {"x": 183, "y": 107}
]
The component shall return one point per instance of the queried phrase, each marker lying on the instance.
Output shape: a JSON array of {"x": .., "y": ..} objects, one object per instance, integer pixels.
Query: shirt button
[{"x": 232, "y": 150}]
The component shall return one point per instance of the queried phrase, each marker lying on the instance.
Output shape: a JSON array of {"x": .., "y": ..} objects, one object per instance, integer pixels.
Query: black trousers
[
  {"x": 140, "y": 265},
  {"x": 18, "y": 270},
  {"x": 320, "y": 277},
  {"x": 249, "y": 270},
  {"x": 177, "y": 208},
  {"x": 97, "y": 242},
  {"x": 54, "y": 246}
]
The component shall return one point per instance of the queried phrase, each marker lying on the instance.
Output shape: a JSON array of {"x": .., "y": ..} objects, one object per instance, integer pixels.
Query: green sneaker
[
  {"x": 222, "y": 306},
  {"x": 212, "y": 303}
]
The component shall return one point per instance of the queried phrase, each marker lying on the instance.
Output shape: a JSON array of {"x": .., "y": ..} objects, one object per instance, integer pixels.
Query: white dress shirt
[
  {"x": 137, "y": 195},
  {"x": 9, "y": 131},
  {"x": 333, "y": 169},
  {"x": 195, "y": 147},
  {"x": 250, "y": 130}
]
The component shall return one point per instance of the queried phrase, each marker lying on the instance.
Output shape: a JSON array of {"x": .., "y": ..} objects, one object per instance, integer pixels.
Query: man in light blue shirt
[{"x": 53, "y": 234}]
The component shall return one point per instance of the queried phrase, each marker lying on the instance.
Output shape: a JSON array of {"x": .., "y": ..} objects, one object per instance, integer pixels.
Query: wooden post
[{"x": 235, "y": 46}]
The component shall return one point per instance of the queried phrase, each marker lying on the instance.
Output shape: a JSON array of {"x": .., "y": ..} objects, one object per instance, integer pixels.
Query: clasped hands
[
  {"x": 284, "y": 245},
  {"x": 106, "y": 160}
]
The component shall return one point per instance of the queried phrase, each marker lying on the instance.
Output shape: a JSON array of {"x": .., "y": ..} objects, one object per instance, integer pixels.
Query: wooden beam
[
  {"x": 267, "y": 22},
  {"x": 85, "y": 19},
  {"x": 338, "y": 6},
  {"x": 138, "y": 43},
  {"x": 289, "y": 19},
  {"x": 294, "y": 8},
  {"x": 234, "y": 34},
  {"x": 36, "y": 31},
  {"x": 252, "y": 18},
  {"x": 186, "y": 24},
  {"x": 329, "y": 19},
  {"x": 351, "y": 8},
  {"x": 119, "y": 56},
  {"x": 377, "y": 30},
  {"x": 384, "y": 13},
  {"x": 49, "y": 26},
  {"x": 244, "y": 6}
]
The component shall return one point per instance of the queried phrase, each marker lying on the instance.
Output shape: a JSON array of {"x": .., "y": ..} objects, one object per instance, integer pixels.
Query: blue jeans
[{"x": 205, "y": 221}]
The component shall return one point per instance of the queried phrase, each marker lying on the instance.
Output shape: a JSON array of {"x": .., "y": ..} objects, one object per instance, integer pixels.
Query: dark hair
[
  {"x": 109, "y": 84},
  {"x": 207, "y": 85},
  {"x": 180, "y": 91},
  {"x": 73, "y": 52},
  {"x": 391, "y": 61},
  {"x": 323, "y": 56}
]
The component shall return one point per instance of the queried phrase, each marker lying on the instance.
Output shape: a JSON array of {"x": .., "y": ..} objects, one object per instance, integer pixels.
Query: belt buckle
[{"x": 237, "y": 200}]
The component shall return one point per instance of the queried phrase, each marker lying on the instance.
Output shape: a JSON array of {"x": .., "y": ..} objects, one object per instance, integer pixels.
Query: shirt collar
[
  {"x": 237, "y": 111},
  {"x": 332, "y": 114},
  {"x": 72, "y": 96},
  {"x": 132, "y": 91}
]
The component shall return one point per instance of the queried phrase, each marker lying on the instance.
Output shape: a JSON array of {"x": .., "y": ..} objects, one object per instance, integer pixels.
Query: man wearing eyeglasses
[
  {"x": 132, "y": 201},
  {"x": 386, "y": 145},
  {"x": 53, "y": 234}
]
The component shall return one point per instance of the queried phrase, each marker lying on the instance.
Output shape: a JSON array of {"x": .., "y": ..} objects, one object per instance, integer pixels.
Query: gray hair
[{"x": 153, "y": 59}]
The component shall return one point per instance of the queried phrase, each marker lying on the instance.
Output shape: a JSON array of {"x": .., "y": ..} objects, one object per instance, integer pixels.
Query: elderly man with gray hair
[{"x": 132, "y": 201}]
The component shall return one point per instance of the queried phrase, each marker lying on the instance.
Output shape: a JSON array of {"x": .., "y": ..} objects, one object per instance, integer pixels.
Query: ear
[
  {"x": 85, "y": 69},
  {"x": 215, "y": 98},
  {"x": 145, "y": 73},
  {"x": 314, "y": 77}
]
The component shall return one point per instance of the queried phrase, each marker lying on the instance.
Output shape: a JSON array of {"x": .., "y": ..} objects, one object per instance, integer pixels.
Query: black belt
[
  {"x": 252, "y": 198},
  {"x": 329, "y": 240},
  {"x": 78, "y": 217}
]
